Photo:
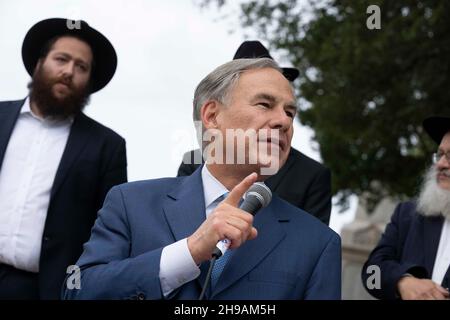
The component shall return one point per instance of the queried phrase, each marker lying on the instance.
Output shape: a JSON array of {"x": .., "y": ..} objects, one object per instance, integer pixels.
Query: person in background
[
  {"x": 413, "y": 254},
  {"x": 56, "y": 164}
]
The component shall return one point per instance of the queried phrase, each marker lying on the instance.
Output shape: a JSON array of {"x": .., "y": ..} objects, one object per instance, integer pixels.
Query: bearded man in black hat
[
  {"x": 56, "y": 164},
  {"x": 413, "y": 255},
  {"x": 302, "y": 181}
]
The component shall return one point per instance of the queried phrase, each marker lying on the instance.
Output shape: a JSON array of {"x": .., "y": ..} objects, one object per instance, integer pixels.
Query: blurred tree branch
[{"x": 363, "y": 92}]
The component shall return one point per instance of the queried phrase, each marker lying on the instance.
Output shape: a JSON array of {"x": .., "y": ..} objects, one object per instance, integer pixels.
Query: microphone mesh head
[{"x": 261, "y": 191}]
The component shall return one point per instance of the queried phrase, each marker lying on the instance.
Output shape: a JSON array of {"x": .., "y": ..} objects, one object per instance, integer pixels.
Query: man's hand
[
  {"x": 411, "y": 288},
  {"x": 226, "y": 221}
]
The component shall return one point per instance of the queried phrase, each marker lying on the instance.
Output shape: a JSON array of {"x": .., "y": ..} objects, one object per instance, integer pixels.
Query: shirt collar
[
  {"x": 26, "y": 107},
  {"x": 212, "y": 188}
]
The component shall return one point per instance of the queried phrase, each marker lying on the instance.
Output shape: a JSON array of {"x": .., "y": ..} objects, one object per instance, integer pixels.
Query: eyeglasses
[{"x": 438, "y": 155}]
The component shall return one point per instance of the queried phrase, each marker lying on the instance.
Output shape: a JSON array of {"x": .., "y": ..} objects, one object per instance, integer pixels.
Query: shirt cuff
[{"x": 176, "y": 267}]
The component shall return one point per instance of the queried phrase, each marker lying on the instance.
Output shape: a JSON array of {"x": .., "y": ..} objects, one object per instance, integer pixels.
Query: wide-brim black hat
[
  {"x": 255, "y": 49},
  {"x": 104, "y": 54},
  {"x": 437, "y": 127}
]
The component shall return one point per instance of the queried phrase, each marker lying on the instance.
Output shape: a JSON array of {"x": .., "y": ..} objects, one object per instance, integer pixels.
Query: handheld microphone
[{"x": 258, "y": 196}]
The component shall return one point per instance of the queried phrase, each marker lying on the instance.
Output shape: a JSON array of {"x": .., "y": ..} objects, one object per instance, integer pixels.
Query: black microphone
[{"x": 257, "y": 196}]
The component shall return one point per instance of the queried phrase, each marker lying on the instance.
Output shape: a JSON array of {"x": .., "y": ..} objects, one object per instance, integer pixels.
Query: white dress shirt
[
  {"x": 177, "y": 266},
  {"x": 29, "y": 167},
  {"x": 442, "y": 262}
]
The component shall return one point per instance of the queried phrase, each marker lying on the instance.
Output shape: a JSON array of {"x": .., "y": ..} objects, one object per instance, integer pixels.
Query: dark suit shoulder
[
  {"x": 191, "y": 161},
  {"x": 409, "y": 207},
  {"x": 305, "y": 163},
  {"x": 99, "y": 128},
  {"x": 11, "y": 103},
  {"x": 405, "y": 212},
  {"x": 152, "y": 186}
]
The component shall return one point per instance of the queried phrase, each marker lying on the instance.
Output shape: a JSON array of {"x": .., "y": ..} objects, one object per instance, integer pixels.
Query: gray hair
[
  {"x": 218, "y": 84},
  {"x": 433, "y": 200}
]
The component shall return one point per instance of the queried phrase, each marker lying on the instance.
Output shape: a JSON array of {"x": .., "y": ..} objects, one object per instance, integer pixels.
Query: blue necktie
[{"x": 218, "y": 267}]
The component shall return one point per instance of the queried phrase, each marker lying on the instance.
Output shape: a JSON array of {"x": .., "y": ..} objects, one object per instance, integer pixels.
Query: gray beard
[{"x": 433, "y": 200}]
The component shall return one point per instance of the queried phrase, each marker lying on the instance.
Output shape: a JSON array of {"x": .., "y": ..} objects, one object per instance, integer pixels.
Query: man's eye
[
  {"x": 82, "y": 68},
  {"x": 264, "y": 104},
  {"x": 61, "y": 59},
  {"x": 290, "y": 114}
]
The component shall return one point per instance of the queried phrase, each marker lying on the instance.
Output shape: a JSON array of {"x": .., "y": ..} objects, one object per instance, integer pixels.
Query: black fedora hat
[
  {"x": 103, "y": 51},
  {"x": 437, "y": 127},
  {"x": 255, "y": 49}
]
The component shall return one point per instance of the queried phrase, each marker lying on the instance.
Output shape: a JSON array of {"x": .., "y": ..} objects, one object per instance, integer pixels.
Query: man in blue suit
[
  {"x": 153, "y": 239},
  {"x": 56, "y": 164},
  {"x": 413, "y": 255}
]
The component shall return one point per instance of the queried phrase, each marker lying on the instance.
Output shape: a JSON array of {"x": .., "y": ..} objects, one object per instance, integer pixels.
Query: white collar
[
  {"x": 212, "y": 188},
  {"x": 26, "y": 107}
]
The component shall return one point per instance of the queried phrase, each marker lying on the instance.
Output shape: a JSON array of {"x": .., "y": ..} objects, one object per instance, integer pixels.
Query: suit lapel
[
  {"x": 9, "y": 112},
  {"x": 248, "y": 256},
  {"x": 78, "y": 138},
  {"x": 432, "y": 234},
  {"x": 185, "y": 211}
]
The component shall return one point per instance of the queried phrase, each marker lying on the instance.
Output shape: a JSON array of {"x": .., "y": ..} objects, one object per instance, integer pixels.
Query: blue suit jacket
[
  {"x": 93, "y": 161},
  {"x": 295, "y": 256},
  {"x": 408, "y": 245}
]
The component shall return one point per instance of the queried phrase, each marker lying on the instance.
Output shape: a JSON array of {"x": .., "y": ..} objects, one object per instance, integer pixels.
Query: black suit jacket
[
  {"x": 302, "y": 181},
  {"x": 94, "y": 160},
  {"x": 408, "y": 245}
]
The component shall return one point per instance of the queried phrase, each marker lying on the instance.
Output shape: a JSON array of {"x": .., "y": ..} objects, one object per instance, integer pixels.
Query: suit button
[
  {"x": 46, "y": 239},
  {"x": 141, "y": 296}
]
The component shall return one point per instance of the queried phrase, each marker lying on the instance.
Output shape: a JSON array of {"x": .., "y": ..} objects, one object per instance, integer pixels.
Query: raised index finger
[{"x": 238, "y": 191}]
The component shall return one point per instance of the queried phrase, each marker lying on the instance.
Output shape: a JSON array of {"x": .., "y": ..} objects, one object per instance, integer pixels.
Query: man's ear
[{"x": 209, "y": 113}]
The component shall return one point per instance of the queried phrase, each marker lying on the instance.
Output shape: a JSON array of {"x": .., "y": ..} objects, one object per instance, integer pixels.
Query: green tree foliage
[{"x": 364, "y": 92}]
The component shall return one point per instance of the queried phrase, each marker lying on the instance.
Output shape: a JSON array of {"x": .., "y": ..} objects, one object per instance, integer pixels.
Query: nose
[
  {"x": 443, "y": 163},
  {"x": 68, "y": 69},
  {"x": 280, "y": 120}
]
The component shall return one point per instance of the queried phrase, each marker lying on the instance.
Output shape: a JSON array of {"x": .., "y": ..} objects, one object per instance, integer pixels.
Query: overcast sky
[{"x": 164, "y": 49}]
